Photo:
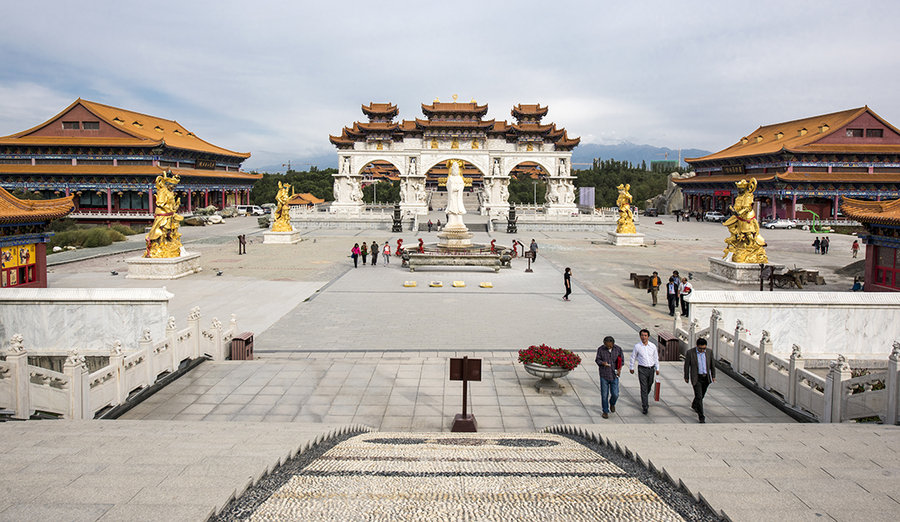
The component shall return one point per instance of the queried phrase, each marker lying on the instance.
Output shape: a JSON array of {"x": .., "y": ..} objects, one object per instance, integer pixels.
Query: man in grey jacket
[{"x": 700, "y": 371}]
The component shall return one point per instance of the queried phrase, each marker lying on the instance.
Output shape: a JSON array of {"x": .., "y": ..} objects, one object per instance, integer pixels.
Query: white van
[{"x": 253, "y": 210}]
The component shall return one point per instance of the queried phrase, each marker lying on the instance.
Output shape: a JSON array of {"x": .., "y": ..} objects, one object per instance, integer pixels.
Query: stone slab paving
[
  {"x": 123, "y": 470},
  {"x": 412, "y": 392},
  {"x": 398, "y": 476},
  {"x": 770, "y": 471}
]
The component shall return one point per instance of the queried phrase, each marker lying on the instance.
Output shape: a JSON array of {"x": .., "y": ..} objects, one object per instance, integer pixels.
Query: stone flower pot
[{"x": 547, "y": 374}]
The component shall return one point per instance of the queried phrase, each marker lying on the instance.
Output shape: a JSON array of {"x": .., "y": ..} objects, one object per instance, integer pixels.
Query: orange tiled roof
[
  {"x": 150, "y": 131},
  {"x": 380, "y": 109},
  {"x": 463, "y": 124},
  {"x": 304, "y": 199},
  {"x": 797, "y": 176},
  {"x": 15, "y": 210},
  {"x": 881, "y": 212},
  {"x": 123, "y": 170},
  {"x": 800, "y": 136},
  {"x": 723, "y": 178},
  {"x": 454, "y": 108}
]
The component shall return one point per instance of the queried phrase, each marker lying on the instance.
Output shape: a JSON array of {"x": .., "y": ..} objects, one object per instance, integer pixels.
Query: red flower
[{"x": 548, "y": 356}]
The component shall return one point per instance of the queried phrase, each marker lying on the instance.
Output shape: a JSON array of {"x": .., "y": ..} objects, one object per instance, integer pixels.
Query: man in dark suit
[{"x": 700, "y": 371}]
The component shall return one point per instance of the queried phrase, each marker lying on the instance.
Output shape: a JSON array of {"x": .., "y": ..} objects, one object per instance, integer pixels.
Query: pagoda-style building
[
  {"x": 23, "y": 238},
  {"x": 882, "y": 222},
  {"x": 418, "y": 150},
  {"x": 108, "y": 159},
  {"x": 810, "y": 162}
]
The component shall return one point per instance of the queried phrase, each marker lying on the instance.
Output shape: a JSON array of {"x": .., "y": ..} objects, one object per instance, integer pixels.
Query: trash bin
[
  {"x": 242, "y": 347},
  {"x": 668, "y": 346},
  {"x": 642, "y": 281}
]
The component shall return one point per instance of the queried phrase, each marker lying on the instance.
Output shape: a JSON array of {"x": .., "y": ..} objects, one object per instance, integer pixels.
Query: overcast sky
[{"x": 275, "y": 78}]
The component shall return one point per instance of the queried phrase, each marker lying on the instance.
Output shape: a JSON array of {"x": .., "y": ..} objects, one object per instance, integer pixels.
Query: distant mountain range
[{"x": 584, "y": 154}]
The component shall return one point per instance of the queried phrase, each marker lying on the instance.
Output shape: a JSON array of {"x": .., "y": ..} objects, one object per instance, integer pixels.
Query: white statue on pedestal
[{"x": 455, "y": 187}]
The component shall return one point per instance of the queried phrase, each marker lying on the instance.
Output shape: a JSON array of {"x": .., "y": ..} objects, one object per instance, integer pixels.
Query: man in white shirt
[{"x": 647, "y": 358}]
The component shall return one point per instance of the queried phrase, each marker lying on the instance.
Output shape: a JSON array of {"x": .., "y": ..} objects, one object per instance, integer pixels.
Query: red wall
[
  {"x": 865, "y": 121},
  {"x": 79, "y": 113}
]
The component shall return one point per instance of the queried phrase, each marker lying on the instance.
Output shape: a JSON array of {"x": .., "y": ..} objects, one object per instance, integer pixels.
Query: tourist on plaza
[
  {"x": 647, "y": 358},
  {"x": 374, "y": 253},
  {"x": 699, "y": 371},
  {"x": 857, "y": 285},
  {"x": 683, "y": 291},
  {"x": 825, "y": 244},
  {"x": 534, "y": 248},
  {"x": 653, "y": 286},
  {"x": 364, "y": 251},
  {"x": 854, "y": 248},
  {"x": 354, "y": 253},
  {"x": 386, "y": 255},
  {"x": 677, "y": 215},
  {"x": 672, "y": 295},
  {"x": 439, "y": 225},
  {"x": 567, "y": 281},
  {"x": 430, "y": 224},
  {"x": 817, "y": 244},
  {"x": 676, "y": 277},
  {"x": 610, "y": 360}
]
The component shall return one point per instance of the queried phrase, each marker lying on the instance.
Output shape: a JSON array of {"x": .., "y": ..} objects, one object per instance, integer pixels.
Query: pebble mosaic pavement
[{"x": 403, "y": 476}]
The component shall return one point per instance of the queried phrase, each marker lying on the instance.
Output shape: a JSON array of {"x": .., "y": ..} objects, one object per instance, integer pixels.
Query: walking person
[
  {"x": 647, "y": 358},
  {"x": 825, "y": 244},
  {"x": 672, "y": 295},
  {"x": 610, "y": 359},
  {"x": 684, "y": 291},
  {"x": 386, "y": 255},
  {"x": 567, "y": 281},
  {"x": 364, "y": 251},
  {"x": 439, "y": 225},
  {"x": 534, "y": 248},
  {"x": 699, "y": 371},
  {"x": 817, "y": 244},
  {"x": 374, "y": 253},
  {"x": 653, "y": 286},
  {"x": 854, "y": 248},
  {"x": 430, "y": 224},
  {"x": 354, "y": 253}
]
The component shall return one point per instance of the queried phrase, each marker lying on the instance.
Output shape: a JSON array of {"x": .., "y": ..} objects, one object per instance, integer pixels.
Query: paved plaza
[{"x": 343, "y": 350}]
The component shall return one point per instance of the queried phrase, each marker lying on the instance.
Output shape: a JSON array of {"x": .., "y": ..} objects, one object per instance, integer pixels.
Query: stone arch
[
  {"x": 363, "y": 161},
  {"x": 547, "y": 163},
  {"x": 480, "y": 161},
  {"x": 467, "y": 172}
]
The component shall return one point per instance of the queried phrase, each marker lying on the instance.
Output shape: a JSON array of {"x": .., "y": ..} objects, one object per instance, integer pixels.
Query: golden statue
[
  {"x": 282, "y": 210},
  {"x": 164, "y": 240},
  {"x": 746, "y": 244},
  {"x": 625, "y": 224}
]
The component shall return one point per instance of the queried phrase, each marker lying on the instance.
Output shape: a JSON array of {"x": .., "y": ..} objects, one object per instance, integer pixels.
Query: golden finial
[
  {"x": 436, "y": 100},
  {"x": 455, "y": 97},
  {"x": 473, "y": 101}
]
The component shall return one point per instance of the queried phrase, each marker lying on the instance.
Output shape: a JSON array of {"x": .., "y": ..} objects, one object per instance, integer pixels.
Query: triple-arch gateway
[{"x": 455, "y": 131}]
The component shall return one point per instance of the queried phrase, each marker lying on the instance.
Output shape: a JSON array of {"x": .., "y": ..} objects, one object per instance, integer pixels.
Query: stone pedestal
[
  {"x": 617, "y": 239},
  {"x": 281, "y": 238},
  {"x": 455, "y": 235},
  {"x": 347, "y": 209},
  {"x": 736, "y": 273},
  {"x": 163, "y": 268},
  {"x": 561, "y": 209}
]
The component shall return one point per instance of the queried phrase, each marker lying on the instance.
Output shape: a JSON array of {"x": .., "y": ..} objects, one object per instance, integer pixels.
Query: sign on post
[{"x": 465, "y": 370}]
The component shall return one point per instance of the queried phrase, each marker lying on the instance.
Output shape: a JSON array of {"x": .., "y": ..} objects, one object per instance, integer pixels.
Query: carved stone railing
[
  {"x": 797, "y": 382},
  {"x": 76, "y": 394}
]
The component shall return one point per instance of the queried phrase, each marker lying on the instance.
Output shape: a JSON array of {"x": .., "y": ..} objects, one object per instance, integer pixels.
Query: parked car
[
  {"x": 713, "y": 216},
  {"x": 253, "y": 210},
  {"x": 780, "y": 223},
  {"x": 651, "y": 212}
]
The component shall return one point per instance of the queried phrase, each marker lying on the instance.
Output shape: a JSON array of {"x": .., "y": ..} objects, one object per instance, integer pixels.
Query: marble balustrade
[
  {"x": 821, "y": 387},
  {"x": 76, "y": 393}
]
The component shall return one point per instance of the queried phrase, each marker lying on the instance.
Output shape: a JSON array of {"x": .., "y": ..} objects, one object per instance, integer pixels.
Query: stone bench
[{"x": 491, "y": 261}]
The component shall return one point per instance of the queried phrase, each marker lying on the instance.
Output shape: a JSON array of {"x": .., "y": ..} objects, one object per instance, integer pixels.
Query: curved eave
[
  {"x": 876, "y": 212},
  {"x": 15, "y": 210}
]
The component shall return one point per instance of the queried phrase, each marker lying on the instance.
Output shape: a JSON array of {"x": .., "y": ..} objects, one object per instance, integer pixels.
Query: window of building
[
  {"x": 887, "y": 267},
  {"x": 90, "y": 199},
  {"x": 874, "y": 133},
  {"x": 90, "y": 125},
  {"x": 854, "y": 133},
  {"x": 18, "y": 265},
  {"x": 134, "y": 201},
  {"x": 71, "y": 125}
]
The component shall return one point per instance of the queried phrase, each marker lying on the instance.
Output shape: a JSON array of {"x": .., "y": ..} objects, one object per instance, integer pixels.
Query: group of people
[
  {"x": 364, "y": 251},
  {"x": 687, "y": 215},
  {"x": 699, "y": 372},
  {"x": 821, "y": 245},
  {"x": 676, "y": 290},
  {"x": 431, "y": 225}
]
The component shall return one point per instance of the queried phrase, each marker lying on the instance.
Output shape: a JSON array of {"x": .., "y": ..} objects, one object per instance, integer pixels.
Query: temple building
[
  {"x": 882, "y": 222},
  {"x": 108, "y": 158},
  {"x": 417, "y": 151},
  {"x": 802, "y": 165},
  {"x": 23, "y": 238}
]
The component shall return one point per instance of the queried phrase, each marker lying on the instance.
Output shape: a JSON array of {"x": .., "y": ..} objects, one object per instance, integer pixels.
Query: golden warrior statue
[
  {"x": 625, "y": 224},
  {"x": 282, "y": 210},
  {"x": 164, "y": 240},
  {"x": 746, "y": 244}
]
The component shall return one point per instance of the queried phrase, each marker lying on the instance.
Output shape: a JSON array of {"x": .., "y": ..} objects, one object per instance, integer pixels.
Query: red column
[
  {"x": 189, "y": 200},
  {"x": 67, "y": 191},
  {"x": 774, "y": 207},
  {"x": 223, "y": 198},
  {"x": 40, "y": 276},
  {"x": 835, "y": 207},
  {"x": 870, "y": 268},
  {"x": 205, "y": 197},
  {"x": 150, "y": 200},
  {"x": 109, "y": 200},
  {"x": 794, "y": 206}
]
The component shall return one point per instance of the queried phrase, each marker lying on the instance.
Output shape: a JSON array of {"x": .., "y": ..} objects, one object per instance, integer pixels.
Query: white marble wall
[
  {"x": 861, "y": 323},
  {"x": 86, "y": 319}
]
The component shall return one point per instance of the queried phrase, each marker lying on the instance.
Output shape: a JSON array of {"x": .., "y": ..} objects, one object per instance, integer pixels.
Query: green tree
[
  {"x": 606, "y": 175},
  {"x": 317, "y": 182},
  {"x": 388, "y": 192}
]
